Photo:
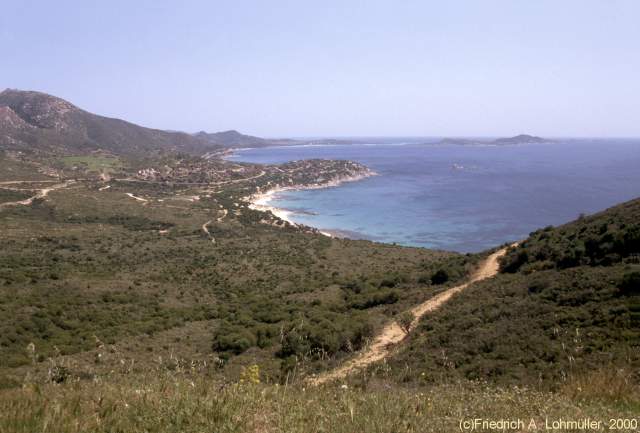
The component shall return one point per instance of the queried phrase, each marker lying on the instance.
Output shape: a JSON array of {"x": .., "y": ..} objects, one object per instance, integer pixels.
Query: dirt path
[
  {"x": 13, "y": 182},
  {"x": 205, "y": 229},
  {"x": 143, "y": 200},
  {"x": 42, "y": 193},
  {"x": 392, "y": 334},
  {"x": 205, "y": 226}
]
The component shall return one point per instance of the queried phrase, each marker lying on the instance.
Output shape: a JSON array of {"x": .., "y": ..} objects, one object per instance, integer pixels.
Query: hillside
[
  {"x": 35, "y": 122},
  {"x": 171, "y": 259},
  {"x": 518, "y": 139},
  {"x": 141, "y": 291},
  {"x": 234, "y": 139},
  {"x": 566, "y": 305}
]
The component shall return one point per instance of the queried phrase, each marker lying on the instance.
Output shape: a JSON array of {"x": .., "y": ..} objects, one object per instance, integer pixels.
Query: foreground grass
[{"x": 169, "y": 403}]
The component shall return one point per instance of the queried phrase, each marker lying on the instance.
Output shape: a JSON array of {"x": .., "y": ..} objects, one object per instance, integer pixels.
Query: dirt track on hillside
[
  {"x": 42, "y": 193},
  {"x": 392, "y": 334}
]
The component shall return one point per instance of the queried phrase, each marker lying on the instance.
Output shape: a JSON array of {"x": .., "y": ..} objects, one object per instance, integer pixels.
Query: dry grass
[
  {"x": 612, "y": 385},
  {"x": 177, "y": 403}
]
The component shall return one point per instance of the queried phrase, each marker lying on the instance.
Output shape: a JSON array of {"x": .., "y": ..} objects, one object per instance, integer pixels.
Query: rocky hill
[{"x": 35, "y": 122}]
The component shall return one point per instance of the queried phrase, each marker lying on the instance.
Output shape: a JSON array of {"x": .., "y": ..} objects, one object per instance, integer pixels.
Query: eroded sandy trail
[
  {"x": 205, "y": 226},
  {"x": 41, "y": 194},
  {"x": 392, "y": 334},
  {"x": 205, "y": 229},
  {"x": 14, "y": 182},
  {"x": 136, "y": 198}
]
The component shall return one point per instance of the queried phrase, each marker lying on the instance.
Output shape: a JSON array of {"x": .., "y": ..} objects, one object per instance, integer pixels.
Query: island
[{"x": 518, "y": 139}]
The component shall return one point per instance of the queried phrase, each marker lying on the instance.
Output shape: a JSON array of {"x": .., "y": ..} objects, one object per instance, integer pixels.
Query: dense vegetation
[
  {"x": 146, "y": 295},
  {"x": 567, "y": 303},
  {"x": 8, "y": 195},
  {"x": 87, "y": 267},
  {"x": 604, "y": 239}
]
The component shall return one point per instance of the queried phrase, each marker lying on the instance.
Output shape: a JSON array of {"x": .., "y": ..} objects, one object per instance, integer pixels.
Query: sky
[{"x": 336, "y": 68}]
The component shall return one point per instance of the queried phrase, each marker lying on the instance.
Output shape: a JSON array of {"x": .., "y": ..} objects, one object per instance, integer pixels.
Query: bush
[
  {"x": 630, "y": 284},
  {"x": 513, "y": 260},
  {"x": 59, "y": 374},
  {"x": 233, "y": 340},
  {"x": 440, "y": 277},
  {"x": 383, "y": 298},
  {"x": 424, "y": 279},
  {"x": 405, "y": 320}
]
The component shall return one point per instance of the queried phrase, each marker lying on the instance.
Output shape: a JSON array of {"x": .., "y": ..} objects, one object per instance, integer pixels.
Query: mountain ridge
[{"x": 53, "y": 125}]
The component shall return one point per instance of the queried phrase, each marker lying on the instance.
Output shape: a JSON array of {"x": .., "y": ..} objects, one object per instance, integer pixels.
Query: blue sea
[{"x": 461, "y": 198}]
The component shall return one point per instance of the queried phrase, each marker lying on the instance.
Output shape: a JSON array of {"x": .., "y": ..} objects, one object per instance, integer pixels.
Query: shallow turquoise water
[{"x": 462, "y": 198}]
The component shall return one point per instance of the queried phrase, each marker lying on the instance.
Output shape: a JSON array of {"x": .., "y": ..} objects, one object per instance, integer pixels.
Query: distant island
[
  {"x": 233, "y": 139},
  {"x": 518, "y": 139}
]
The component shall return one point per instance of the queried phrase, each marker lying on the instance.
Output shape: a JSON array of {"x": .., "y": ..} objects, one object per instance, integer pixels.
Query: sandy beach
[{"x": 261, "y": 200}]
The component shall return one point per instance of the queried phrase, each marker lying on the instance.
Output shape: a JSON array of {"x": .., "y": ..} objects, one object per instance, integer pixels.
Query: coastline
[{"x": 261, "y": 200}]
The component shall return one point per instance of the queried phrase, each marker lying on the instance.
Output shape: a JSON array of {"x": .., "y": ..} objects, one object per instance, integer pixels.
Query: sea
[{"x": 464, "y": 198}]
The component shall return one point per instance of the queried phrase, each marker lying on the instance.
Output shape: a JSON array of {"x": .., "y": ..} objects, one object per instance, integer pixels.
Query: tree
[
  {"x": 440, "y": 277},
  {"x": 405, "y": 320},
  {"x": 630, "y": 284}
]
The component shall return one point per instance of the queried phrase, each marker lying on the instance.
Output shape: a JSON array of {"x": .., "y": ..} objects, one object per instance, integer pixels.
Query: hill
[
  {"x": 566, "y": 306},
  {"x": 36, "y": 122},
  {"x": 234, "y": 139},
  {"x": 171, "y": 259},
  {"x": 518, "y": 139},
  {"x": 143, "y": 292}
]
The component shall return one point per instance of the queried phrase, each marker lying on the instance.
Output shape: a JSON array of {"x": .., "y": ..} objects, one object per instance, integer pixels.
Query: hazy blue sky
[{"x": 336, "y": 68}]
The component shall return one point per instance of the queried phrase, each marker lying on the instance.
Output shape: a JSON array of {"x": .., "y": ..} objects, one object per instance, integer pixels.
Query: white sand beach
[{"x": 261, "y": 200}]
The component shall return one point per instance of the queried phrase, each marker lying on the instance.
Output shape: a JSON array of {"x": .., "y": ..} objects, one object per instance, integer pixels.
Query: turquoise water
[{"x": 461, "y": 198}]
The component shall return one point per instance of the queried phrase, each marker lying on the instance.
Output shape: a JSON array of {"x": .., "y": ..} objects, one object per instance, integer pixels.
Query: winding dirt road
[
  {"x": 205, "y": 226},
  {"x": 392, "y": 334},
  {"x": 42, "y": 193}
]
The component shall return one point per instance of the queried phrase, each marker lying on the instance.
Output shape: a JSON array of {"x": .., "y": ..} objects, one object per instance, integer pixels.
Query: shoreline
[{"x": 261, "y": 200}]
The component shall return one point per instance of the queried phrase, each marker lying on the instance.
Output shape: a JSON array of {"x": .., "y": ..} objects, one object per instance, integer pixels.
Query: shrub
[
  {"x": 233, "y": 340},
  {"x": 405, "y": 320},
  {"x": 424, "y": 279},
  {"x": 513, "y": 260},
  {"x": 630, "y": 284},
  {"x": 250, "y": 375},
  {"x": 58, "y": 374},
  {"x": 383, "y": 298},
  {"x": 440, "y": 277}
]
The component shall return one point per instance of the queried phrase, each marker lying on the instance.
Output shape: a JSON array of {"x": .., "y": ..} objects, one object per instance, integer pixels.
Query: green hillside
[
  {"x": 141, "y": 291},
  {"x": 566, "y": 304}
]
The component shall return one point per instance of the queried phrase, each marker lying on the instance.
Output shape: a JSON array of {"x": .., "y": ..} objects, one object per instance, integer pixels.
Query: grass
[
  {"x": 173, "y": 402},
  {"x": 93, "y": 163},
  {"x": 14, "y": 167}
]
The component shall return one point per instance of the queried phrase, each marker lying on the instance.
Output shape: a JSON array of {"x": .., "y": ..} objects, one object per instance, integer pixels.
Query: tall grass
[
  {"x": 178, "y": 403},
  {"x": 612, "y": 385}
]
